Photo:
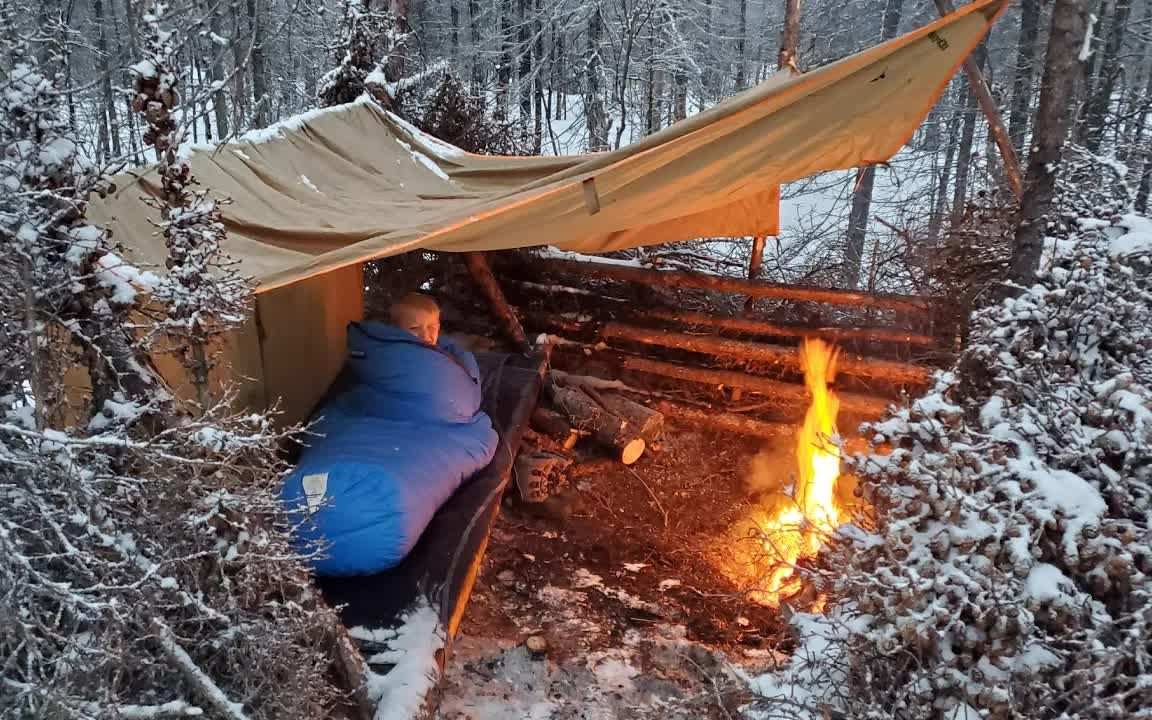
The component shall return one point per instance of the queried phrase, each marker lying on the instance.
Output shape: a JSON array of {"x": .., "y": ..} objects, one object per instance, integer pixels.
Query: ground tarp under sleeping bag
[{"x": 398, "y": 434}]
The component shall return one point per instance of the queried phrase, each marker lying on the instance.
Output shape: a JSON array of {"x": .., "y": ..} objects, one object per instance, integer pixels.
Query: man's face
[{"x": 421, "y": 323}]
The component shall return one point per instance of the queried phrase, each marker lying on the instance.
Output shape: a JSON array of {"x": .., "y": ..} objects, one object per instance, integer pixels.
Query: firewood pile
[{"x": 578, "y": 423}]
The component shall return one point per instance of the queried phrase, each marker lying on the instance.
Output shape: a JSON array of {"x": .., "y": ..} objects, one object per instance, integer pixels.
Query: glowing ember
[{"x": 798, "y": 529}]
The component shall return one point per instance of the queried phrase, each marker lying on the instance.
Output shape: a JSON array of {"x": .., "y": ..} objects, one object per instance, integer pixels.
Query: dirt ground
[
  {"x": 623, "y": 577},
  {"x": 643, "y": 545}
]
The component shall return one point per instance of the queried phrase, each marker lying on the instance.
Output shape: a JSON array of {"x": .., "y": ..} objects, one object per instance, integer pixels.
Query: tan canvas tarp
[{"x": 335, "y": 188}]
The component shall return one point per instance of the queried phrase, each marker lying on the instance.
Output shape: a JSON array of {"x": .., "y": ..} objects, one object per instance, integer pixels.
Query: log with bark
[
  {"x": 856, "y": 365},
  {"x": 699, "y": 418},
  {"x": 753, "y": 326},
  {"x": 643, "y": 420},
  {"x": 551, "y": 423},
  {"x": 785, "y": 394},
  {"x": 605, "y": 427},
  {"x": 751, "y": 288}
]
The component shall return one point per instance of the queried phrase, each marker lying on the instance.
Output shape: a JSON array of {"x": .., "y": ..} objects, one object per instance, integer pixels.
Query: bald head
[{"x": 419, "y": 315}]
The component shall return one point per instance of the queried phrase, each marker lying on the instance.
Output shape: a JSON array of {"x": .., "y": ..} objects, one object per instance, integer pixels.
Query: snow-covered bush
[
  {"x": 367, "y": 37},
  {"x": 145, "y": 568},
  {"x": 1008, "y": 572}
]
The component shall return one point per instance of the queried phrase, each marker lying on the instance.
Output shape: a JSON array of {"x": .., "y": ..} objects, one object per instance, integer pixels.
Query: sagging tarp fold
[{"x": 337, "y": 187}]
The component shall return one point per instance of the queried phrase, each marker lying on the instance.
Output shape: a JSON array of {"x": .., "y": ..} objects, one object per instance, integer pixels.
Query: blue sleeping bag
[{"x": 400, "y": 432}]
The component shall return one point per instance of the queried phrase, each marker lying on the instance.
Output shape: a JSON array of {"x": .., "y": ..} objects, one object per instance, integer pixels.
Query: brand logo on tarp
[{"x": 940, "y": 42}]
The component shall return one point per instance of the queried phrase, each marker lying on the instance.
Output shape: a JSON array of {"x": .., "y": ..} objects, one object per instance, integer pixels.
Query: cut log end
[{"x": 631, "y": 452}]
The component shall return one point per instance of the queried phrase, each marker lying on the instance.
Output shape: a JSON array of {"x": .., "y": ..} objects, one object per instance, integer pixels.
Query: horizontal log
[
  {"x": 764, "y": 327},
  {"x": 722, "y": 283},
  {"x": 607, "y": 428},
  {"x": 786, "y": 394},
  {"x": 706, "y": 418},
  {"x": 849, "y": 364}
]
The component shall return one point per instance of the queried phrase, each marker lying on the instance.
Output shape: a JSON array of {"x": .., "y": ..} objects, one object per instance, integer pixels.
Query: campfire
[{"x": 796, "y": 525}]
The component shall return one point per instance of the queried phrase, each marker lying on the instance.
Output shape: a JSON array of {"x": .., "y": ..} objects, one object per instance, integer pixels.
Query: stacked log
[{"x": 608, "y": 428}]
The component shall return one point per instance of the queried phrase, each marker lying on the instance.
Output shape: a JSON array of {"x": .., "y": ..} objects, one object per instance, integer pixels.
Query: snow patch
[
  {"x": 401, "y": 691},
  {"x": 1137, "y": 240},
  {"x": 309, "y": 184}
]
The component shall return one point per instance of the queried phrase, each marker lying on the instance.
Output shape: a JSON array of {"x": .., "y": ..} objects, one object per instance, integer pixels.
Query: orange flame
[{"x": 799, "y": 528}]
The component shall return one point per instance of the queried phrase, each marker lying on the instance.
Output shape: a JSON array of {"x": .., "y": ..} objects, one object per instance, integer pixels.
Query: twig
[
  {"x": 651, "y": 494},
  {"x": 203, "y": 685}
]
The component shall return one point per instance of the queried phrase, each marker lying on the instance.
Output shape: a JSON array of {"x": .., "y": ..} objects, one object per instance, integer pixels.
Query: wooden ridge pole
[
  {"x": 886, "y": 370},
  {"x": 1012, "y": 172},
  {"x": 738, "y": 286}
]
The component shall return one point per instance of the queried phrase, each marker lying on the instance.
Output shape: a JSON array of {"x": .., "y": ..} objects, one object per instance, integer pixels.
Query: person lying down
[{"x": 397, "y": 435}]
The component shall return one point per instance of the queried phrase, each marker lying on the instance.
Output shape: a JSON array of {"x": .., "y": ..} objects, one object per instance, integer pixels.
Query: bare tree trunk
[
  {"x": 258, "y": 62},
  {"x": 1096, "y": 108},
  {"x": 538, "y": 114},
  {"x": 595, "y": 117},
  {"x": 398, "y": 57},
  {"x": 474, "y": 37},
  {"x": 651, "y": 103},
  {"x": 937, "y": 219},
  {"x": 741, "y": 46},
  {"x": 865, "y": 180},
  {"x": 1053, "y": 118},
  {"x": 216, "y": 74},
  {"x": 524, "y": 83},
  {"x": 1022, "y": 80},
  {"x": 708, "y": 82},
  {"x": 964, "y": 156},
  {"x": 504, "y": 68},
  {"x": 1139, "y": 147},
  {"x": 1145, "y": 188},
  {"x": 191, "y": 89},
  {"x": 454, "y": 29},
  {"x": 858, "y": 225},
  {"x": 239, "y": 90},
  {"x": 106, "y": 79}
]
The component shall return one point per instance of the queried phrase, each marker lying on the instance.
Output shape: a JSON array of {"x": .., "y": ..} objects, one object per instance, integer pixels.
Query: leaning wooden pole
[
  {"x": 996, "y": 126},
  {"x": 754, "y": 264},
  {"x": 482, "y": 274},
  {"x": 737, "y": 286},
  {"x": 788, "y": 357}
]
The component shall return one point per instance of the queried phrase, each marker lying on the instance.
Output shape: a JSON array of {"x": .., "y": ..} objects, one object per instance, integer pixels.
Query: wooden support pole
[
  {"x": 764, "y": 327},
  {"x": 706, "y": 418},
  {"x": 1012, "y": 172},
  {"x": 786, "y": 394},
  {"x": 482, "y": 274},
  {"x": 739, "y": 286},
  {"x": 754, "y": 264},
  {"x": 790, "y": 35},
  {"x": 886, "y": 370}
]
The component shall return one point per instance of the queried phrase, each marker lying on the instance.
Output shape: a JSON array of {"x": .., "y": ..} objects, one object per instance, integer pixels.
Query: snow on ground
[
  {"x": 406, "y": 663},
  {"x": 1137, "y": 237},
  {"x": 646, "y": 675}
]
